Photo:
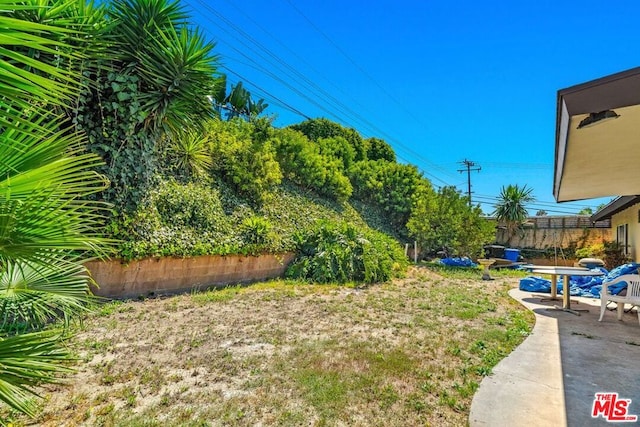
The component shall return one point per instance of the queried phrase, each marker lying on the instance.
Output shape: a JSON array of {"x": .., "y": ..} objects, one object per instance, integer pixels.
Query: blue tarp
[
  {"x": 585, "y": 286},
  {"x": 535, "y": 284},
  {"x": 458, "y": 262}
]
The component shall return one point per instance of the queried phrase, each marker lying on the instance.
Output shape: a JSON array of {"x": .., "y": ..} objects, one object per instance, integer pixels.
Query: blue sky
[{"x": 440, "y": 81}]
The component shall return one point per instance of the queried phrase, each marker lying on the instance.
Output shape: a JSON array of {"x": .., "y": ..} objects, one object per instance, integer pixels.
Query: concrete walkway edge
[{"x": 525, "y": 388}]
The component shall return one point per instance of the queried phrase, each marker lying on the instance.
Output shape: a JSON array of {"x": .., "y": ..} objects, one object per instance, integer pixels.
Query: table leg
[
  {"x": 566, "y": 297},
  {"x": 554, "y": 289}
]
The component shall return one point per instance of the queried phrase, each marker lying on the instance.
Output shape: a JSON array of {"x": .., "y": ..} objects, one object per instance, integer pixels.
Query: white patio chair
[{"x": 632, "y": 295}]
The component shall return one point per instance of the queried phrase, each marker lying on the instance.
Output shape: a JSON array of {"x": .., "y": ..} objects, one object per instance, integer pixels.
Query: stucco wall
[
  {"x": 155, "y": 276},
  {"x": 629, "y": 216}
]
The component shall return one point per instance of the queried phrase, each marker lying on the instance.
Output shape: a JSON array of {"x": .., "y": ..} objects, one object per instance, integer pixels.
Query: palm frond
[
  {"x": 26, "y": 361},
  {"x": 21, "y": 75},
  {"x": 35, "y": 293},
  {"x": 45, "y": 180}
]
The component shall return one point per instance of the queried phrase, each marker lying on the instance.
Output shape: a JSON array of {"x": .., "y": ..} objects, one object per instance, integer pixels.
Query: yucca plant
[
  {"x": 159, "y": 78},
  {"x": 44, "y": 180},
  {"x": 189, "y": 153},
  {"x": 175, "y": 64},
  {"x": 511, "y": 207}
]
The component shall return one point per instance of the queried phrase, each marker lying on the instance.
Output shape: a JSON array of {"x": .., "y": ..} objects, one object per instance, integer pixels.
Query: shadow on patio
[{"x": 553, "y": 376}]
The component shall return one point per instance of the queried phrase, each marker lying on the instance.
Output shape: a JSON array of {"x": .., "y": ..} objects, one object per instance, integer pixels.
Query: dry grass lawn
[{"x": 411, "y": 352}]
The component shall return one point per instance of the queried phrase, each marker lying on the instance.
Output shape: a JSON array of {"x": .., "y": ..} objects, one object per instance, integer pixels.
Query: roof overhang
[
  {"x": 597, "y": 151},
  {"x": 614, "y": 207}
]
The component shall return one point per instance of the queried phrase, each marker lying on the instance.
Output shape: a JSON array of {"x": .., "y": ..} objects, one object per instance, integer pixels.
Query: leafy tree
[
  {"x": 388, "y": 185},
  {"x": 511, "y": 207},
  {"x": 315, "y": 129},
  {"x": 586, "y": 211},
  {"x": 444, "y": 220},
  {"x": 541, "y": 212},
  {"x": 45, "y": 178},
  {"x": 378, "y": 149}
]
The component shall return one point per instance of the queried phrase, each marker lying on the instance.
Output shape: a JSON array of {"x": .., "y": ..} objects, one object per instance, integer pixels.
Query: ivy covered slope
[
  {"x": 243, "y": 187},
  {"x": 188, "y": 219}
]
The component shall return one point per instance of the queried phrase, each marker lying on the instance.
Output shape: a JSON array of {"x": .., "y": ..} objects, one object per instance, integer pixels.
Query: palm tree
[
  {"x": 45, "y": 177},
  {"x": 511, "y": 207},
  {"x": 238, "y": 103}
]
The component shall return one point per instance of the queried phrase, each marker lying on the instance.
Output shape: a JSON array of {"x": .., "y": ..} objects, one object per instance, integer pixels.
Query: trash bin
[
  {"x": 512, "y": 254},
  {"x": 494, "y": 251}
]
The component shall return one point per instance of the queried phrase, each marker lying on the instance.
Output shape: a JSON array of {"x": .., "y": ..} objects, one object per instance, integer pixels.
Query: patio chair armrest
[{"x": 624, "y": 278}]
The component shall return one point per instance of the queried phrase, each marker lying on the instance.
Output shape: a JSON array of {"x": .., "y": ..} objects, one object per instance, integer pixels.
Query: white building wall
[{"x": 631, "y": 217}]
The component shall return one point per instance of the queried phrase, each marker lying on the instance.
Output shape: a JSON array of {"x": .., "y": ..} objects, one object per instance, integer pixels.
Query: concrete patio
[{"x": 551, "y": 379}]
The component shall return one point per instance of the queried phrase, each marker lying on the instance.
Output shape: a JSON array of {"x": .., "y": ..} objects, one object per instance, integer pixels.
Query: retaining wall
[{"x": 156, "y": 276}]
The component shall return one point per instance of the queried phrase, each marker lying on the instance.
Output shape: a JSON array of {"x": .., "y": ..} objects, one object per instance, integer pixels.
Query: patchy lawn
[{"x": 411, "y": 352}]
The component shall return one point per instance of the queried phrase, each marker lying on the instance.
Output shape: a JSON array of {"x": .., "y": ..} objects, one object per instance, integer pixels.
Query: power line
[
  {"x": 308, "y": 85},
  {"x": 355, "y": 64}
]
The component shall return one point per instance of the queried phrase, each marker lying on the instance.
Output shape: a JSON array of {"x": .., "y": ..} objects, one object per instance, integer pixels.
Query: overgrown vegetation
[
  {"x": 612, "y": 253},
  {"x": 131, "y": 90}
]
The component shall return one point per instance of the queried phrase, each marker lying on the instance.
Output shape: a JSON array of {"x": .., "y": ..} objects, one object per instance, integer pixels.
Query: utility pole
[{"x": 469, "y": 166}]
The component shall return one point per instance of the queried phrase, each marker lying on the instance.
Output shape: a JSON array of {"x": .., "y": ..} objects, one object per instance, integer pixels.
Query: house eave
[
  {"x": 615, "y": 206},
  {"x": 596, "y": 161}
]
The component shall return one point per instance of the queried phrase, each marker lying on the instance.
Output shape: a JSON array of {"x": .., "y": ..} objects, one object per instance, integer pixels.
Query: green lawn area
[{"x": 409, "y": 352}]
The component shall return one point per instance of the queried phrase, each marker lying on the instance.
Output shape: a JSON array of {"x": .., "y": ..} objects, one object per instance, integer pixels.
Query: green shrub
[
  {"x": 595, "y": 250},
  {"x": 316, "y": 129},
  {"x": 388, "y": 185},
  {"x": 302, "y": 162},
  {"x": 614, "y": 255},
  {"x": 256, "y": 230},
  {"x": 342, "y": 252},
  {"x": 245, "y": 162},
  {"x": 190, "y": 206},
  {"x": 338, "y": 148},
  {"x": 258, "y": 235},
  {"x": 378, "y": 149}
]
